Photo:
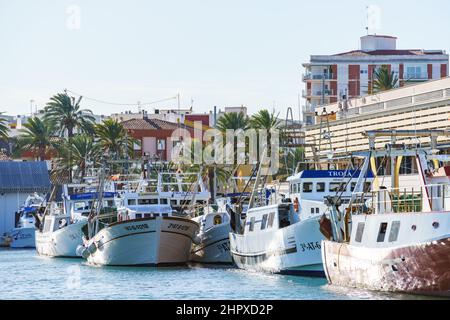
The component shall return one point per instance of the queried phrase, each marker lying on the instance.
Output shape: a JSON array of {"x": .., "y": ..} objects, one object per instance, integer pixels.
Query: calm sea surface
[{"x": 25, "y": 275}]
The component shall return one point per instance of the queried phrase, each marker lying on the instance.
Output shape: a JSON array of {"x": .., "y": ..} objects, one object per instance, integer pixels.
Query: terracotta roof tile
[{"x": 150, "y": 124}]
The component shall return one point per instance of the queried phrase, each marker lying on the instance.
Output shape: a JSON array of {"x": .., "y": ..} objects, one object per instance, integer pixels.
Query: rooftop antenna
[{"x": 367, "y": 20}]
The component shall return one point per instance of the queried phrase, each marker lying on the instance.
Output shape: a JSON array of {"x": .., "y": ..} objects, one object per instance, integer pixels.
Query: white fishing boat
[
  {"x": 23, "y": 236},
  {"x": 61, "y": 231},
  {"x": 399, "y": 240},
  {"x": 150, "y": 226},
  {"x": 284, "y": 236},
  {"x": 148, "y": 236},
  {"x": 214, "y": 245}
]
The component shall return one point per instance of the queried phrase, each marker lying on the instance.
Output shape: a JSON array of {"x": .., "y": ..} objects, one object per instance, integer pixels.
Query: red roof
[
  {"x": 150, "y": 124},
  {"x": 410, "y": 52}
]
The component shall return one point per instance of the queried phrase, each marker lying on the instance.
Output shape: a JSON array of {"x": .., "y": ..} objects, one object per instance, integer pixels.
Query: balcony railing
[
  {"x": 415, "y": 76},
  {"x": 314, "y": 76},
  {"x": 318, "y": 93}
]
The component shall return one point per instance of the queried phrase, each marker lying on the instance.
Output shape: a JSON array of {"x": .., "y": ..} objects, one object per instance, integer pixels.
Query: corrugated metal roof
[{"x": 29, "y": 176}]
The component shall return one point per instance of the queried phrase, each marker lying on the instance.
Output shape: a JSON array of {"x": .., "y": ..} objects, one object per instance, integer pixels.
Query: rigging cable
[{"x": 120, "y": 104}]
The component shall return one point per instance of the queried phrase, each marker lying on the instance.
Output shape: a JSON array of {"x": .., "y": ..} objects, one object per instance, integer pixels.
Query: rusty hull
[{"x": 417, "y": 269}]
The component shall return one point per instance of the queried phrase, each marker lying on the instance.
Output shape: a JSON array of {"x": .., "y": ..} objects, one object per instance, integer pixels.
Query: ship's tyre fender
[
  {"x": 79, "y": 250},
  {"x": 92, "y": 248},
  {"x": 85, "y": 254},
  {"x": 197, "y": 240}
]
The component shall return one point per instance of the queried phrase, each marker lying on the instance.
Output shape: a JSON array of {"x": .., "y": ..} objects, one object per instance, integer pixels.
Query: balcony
[
  {"x": 318, "y": 93},
  {"x": 415, "y": 76},
  {"x": 317, "y": 76}
]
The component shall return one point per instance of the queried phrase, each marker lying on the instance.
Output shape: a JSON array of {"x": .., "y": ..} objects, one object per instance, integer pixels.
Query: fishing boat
[
  {"x": 398, "y": 239},
  {"x": 214, "y": 241},
  {"x": 281, "y": 235},
  {"x": 150, "y": 226},
  {"x": 60, "y": 230},
  {"x": 23, "y": 236}
]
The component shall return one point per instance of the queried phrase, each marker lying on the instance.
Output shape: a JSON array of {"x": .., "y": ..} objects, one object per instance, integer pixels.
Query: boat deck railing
[{"x": 428, "y": 198}]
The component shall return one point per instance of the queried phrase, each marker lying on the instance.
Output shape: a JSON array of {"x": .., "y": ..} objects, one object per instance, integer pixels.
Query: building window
[
  {"x": 414, "y": 72},
  {"x": 382, "y": 232},
  {"x": 161, "y": 144},
  {"x": 393, "y": 235}
]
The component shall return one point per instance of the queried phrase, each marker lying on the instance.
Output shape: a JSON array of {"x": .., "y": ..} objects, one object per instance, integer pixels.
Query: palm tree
[
  {"x": 265, "y": 120},
  {"x": 3, "y": 129},
  {"x": 113, "y": 139},
  {"x": 384, "y": 80},
  {"x": 78, "y": 152},
  {"x": 232, "y": 120},
  {"x": 66, "y": 114},
  {"x": 38, "y": 137}
]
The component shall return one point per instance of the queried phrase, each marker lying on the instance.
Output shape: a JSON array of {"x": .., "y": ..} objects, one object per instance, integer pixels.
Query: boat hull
[
  {"x": 421, "y": 268},
  {"x": 62, "y": 242},
  {"x": 23, "y": 238},
  {"x": 293, "y": 250},
  {"x": 159, "y": 241},
  {"x": 214, "y": 246}
]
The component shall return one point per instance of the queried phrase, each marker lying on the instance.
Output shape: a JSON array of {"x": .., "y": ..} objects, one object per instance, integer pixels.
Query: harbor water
[{"x": 25, "y": 275}]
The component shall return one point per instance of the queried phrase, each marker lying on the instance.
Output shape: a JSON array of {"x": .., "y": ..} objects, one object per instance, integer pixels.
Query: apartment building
[{"x": 332, "y": 78}]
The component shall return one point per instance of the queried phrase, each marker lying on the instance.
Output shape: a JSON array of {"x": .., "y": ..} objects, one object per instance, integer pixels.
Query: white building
[{"x": 332, "y": 78}]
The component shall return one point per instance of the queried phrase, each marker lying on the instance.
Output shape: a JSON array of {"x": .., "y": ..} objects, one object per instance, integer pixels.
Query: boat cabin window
[
  {"x": 81, "y": 205},
  {"x": 393, "y": 235},
  {"x": 108, "y": 203},
  {"x": 352, "y": 186},
  {"x": 131, "y": 202},
  {"x": 359, "y": 231},
  {"x": 382, "y": 232},
  {"x": 271, "y": 218},
  {"x": 173, "y": 202},
  {"x": 320, "y": 187},
  {"x": 283, "y": 217},
  {"x": 252, "y": 224},
  {"x": 138, "y": 215},
  {"x": 294, "y": 188},
  {"x": 337, "y": 186},
  {"x": 147, "y": 201},
  {"x": 264, "y": 221},
  {"x": 307, "y": 187},
  {"x": 163, "y": 201},
  {"x": 367, "y": 186}
]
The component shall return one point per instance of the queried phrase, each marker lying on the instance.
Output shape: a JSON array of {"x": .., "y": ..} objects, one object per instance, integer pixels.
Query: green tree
[
  {"x": 3, "y": 129},
  {"x": 114, "y": 140},
  {"x": 38, "y": 136},
  {"x": 79, "y": 152},
  {"x": 265, "y": 120},
  {"x": 66, "y": 114},
  {"x": 232, "y": 120},
  {"x": 384, "y": 80}
]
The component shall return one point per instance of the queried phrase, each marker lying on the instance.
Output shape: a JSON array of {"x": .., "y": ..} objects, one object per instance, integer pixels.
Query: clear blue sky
[{"x": 224, "y": 53}]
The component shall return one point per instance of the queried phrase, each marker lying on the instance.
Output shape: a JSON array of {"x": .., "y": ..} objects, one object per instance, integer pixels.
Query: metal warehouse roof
[{"x": 30, "y": 176}]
